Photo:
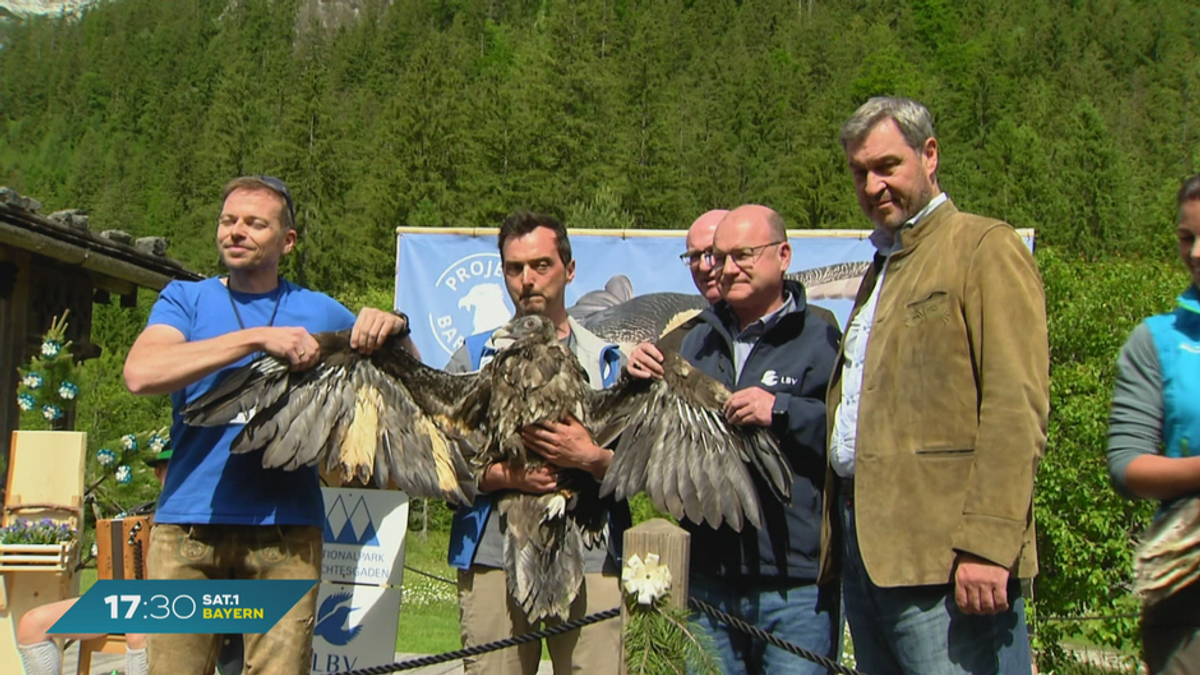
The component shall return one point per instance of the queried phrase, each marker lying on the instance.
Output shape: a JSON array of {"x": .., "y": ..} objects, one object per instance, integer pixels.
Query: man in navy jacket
[{"x": 765, "y": 343}]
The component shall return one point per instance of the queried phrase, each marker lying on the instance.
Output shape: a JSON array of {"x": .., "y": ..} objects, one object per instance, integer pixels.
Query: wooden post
[{"x": 672, "y": 544}]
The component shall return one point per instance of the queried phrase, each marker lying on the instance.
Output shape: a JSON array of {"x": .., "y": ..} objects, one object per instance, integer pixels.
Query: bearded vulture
[{"x": 388, "y": 420}]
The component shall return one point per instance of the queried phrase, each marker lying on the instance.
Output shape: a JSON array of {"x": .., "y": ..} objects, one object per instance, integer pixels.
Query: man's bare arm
[
  {"x": 502, "y": 476},
  {"x": 162, "y": 360}
]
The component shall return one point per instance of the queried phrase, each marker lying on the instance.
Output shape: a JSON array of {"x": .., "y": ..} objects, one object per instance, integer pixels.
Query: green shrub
[{"x": 1085, "y": 529}]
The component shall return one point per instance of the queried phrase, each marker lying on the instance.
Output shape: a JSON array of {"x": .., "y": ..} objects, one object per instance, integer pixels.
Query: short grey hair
[{"x": 912, "y": 118}]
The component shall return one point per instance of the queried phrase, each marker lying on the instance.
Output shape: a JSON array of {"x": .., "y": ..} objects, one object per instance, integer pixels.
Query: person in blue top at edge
[
  {"x": 536, "y": 258},
  {"x": 222, "y": 516},
  {"x": 1155, "y": 411}
]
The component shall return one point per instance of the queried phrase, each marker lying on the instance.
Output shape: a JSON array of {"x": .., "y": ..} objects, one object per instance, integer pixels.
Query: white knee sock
[
  {"x": 136, "y": 662},
  {"x": 41, "y": 658}
]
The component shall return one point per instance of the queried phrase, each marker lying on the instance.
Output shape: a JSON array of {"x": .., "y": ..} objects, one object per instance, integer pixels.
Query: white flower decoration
[
  {"x": 157, "y": 443},
  {"x": 124, "y": 474},
  {"x": 95, "y": 550},
  {"x": 106, "y": 457},
  {"x": 647, "y": 580},
  {"x": 32, "y": 380},
  {"x": 129, "y": 442},
  {"x": 50, "y": 348}
]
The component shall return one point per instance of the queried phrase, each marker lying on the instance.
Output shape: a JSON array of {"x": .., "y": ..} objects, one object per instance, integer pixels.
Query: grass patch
[
  {"x": 87, "y": 577},
  {"x": 429, "y": 609}
]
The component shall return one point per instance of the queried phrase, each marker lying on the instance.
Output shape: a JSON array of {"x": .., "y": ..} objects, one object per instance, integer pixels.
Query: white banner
[
  {"x": 356, "y": 627},
  {"x": 451, "y": 284}
]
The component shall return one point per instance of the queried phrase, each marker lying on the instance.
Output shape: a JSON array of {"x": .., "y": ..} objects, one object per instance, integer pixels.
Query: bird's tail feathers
[{"x": 543, "y": 559}]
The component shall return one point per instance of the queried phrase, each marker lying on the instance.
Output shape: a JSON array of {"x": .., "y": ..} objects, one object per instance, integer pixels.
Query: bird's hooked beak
[{"x": 503, "y": 338}]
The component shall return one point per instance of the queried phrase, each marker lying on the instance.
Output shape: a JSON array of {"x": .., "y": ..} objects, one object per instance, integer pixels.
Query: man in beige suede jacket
[{"x": 937, "y": 418}]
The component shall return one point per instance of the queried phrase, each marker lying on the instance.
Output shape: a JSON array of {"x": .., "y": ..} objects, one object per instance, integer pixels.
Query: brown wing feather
[
  {"x": 676, "y": 446},
  {"x": 386, "y": 419}
]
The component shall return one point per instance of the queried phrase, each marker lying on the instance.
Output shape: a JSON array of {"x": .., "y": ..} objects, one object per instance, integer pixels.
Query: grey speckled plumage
[
  {"x": 534, "y": 380},
  {"x": 676, "y": 447},
  {"x": 1168, "y": 557},
  {"x": 828, "y": 274},
  {"x": 389, "y": 421}
]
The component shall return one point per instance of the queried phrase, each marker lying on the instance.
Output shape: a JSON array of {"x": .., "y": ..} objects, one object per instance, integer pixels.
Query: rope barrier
[
  {"x": 431, "y": 576},
  {"x": 754, "y": 631},
  {"x": 564, "y": 627},
  {"x": 698, "y": 605},
  {"x": 695, "y": 604},
  {"x": 1097, "y": 617}
]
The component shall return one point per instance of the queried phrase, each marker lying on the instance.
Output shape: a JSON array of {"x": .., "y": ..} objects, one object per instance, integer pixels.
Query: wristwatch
[{"x": 407, "y": 330}]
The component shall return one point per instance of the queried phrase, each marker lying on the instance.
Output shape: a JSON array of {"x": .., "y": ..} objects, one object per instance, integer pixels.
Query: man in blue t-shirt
[{"x": 220, "y": 515}]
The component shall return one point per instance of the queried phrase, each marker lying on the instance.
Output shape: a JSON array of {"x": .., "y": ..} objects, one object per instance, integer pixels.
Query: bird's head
[{"x": 531, "y": 327}]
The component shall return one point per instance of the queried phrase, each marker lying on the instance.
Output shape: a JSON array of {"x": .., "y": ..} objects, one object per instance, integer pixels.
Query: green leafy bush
[{"x": 1085, "y": 529}]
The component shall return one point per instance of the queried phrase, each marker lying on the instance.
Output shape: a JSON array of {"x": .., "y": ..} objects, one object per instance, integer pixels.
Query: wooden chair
[
  {"x": 108, "y": 644},
  {"x": 45, "y": 480}
]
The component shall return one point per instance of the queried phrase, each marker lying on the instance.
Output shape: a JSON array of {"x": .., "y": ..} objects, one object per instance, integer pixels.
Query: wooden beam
[
  {"x": 14, "y": 313},
  {"x": 80, "y": 256},
  {"x": 111, "y": 284}
]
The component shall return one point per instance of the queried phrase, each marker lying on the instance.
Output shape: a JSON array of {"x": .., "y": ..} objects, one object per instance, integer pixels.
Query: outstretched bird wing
[
  {"x": 384, "y": 418},
  {"x": 676, "y": 446}
]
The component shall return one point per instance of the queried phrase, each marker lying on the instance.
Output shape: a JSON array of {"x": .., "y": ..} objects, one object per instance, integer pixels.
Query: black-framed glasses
[
  {"x": 742, "y": 257},
  {"x": 693, "y": 258},
  {"x": 282, "y": 188}
]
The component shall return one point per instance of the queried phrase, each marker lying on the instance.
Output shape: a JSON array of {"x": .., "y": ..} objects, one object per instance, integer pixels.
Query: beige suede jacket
[{"x": 952, "y": 419}]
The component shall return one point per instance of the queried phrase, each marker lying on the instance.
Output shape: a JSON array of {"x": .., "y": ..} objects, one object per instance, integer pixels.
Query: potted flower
[{"x": 37, "y": 546}]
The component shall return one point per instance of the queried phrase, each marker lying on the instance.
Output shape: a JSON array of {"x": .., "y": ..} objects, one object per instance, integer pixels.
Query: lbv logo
[{"x": 333, "y": 620}]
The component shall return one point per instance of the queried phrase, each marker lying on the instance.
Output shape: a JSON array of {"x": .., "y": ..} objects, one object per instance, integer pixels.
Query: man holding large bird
[
  {"x": 535, "y": 254},
  {"x": 223, "y": 515},
  {"x": 763, "y": 341},
  {"x": 519, "y": 444}
]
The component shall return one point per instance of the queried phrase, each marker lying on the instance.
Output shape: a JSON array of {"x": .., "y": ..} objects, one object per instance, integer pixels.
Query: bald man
[
  {"x": 763, "y": 342},
  {"x": 699, "y": 244}
]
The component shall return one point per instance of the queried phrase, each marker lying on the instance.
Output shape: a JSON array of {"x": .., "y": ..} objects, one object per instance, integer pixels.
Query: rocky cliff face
[
  {"x": 43, "y": 6},
  {"x": 332, "y": 13},
  {"x": 326, "y": 13}
]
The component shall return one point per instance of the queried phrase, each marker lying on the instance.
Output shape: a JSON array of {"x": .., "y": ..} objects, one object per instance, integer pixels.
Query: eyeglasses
[
  {"x": 282, "y": 188},
  {"x": 742, "y": 257},
  {"x": 693, "y": 258}
]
